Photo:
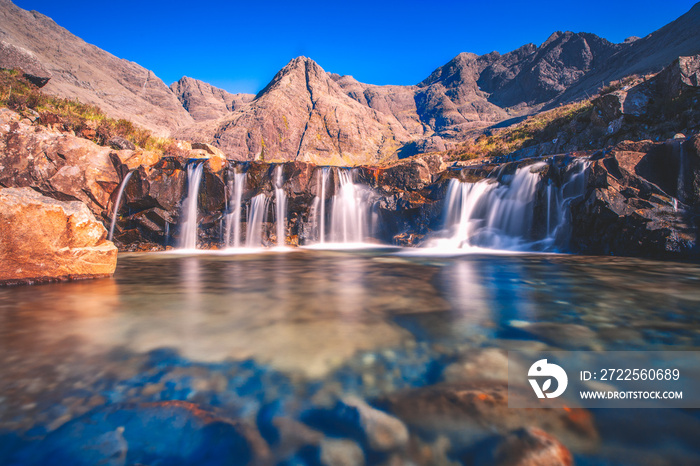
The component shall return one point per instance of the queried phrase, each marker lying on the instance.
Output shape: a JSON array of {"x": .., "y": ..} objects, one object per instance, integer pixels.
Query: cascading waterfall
[
  {"x": 559, "y": 200},
  {"x": 319, "y": 206},
  {"x": 256, "y": 217},
  {"x": 349, "y": 222},
  {"x": 490, "y": 214},
  {"x": 280, "y": 206},
  {"x": 233, "y": 217},
  {"x": 188, "y": 238},
  {"x": 680, "y": 184},
  {"x": 117, "y": 203}
]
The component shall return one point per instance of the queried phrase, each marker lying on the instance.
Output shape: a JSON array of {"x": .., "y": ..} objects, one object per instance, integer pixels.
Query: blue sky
[{"x": 239, "y": 46}]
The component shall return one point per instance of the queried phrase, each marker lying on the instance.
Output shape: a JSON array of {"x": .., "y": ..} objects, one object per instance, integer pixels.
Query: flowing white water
[
  {"x": 680, "y": 188},
  {"x": 188, "y": 234},
  {"x": 488, "y": 214},
  {"x": 117, "y": 203},
  {"x": 280, "y": 206},
  {"x": 319, "y": 206},
  {"x": 256, "y": 217},
  {"x": 233, "y": 217},
  {"x": 349, "y": 222},
  {"x": 559, "y": 200}
]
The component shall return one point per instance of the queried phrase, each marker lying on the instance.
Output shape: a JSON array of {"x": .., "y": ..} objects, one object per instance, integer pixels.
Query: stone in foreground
[{"x": 42, "y": 240}]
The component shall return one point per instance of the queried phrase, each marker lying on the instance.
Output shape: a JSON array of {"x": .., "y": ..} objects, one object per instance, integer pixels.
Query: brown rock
[
  {"x": 341, "y": 452},
  {"x": 137, "y": 158},
  {"x": 413, "y": 175},
  {"x": 469, "y": 412},
  {"x": 120, "y": 143},
  {"x": 524, "y": 447},
  {"x": 46, "y": 240},
  {"x": 60, "y": 165},
  {"x": 628, "y": 208}
]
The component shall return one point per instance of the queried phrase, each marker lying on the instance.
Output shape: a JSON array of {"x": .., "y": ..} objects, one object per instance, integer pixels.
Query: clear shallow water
[{"x": 301, "y": 329}]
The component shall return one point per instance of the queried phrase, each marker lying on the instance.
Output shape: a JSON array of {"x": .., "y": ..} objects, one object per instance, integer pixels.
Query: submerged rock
[
  {"x": 523, "y": 447},
  {"x": 466, "y": 412},
  {"x": 341, "y": 453},
  {"x": 355, "y": 419},
  {"x": 45, "y": 240},
  {"x": 174, "y": 432}
]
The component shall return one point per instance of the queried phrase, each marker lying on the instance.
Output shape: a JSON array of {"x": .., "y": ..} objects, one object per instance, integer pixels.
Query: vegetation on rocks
[
  {"x": 68, "y": 115},
  {"x": 535, "y": 129}
]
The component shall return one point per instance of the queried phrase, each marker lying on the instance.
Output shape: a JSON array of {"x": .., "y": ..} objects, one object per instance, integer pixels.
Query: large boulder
[{"x": 44, "y": 239}]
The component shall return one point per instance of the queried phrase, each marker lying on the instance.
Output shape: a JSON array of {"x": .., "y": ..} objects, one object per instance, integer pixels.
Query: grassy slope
[{"x": 87, "y": 121}]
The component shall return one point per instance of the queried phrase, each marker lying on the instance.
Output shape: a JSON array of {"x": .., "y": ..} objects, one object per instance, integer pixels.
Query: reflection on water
[{"x": 362, "y": 323}]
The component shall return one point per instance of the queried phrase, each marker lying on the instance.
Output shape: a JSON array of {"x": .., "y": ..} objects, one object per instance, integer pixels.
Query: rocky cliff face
[
  {"x": 59, "y": 165},
  {"x": 79, "y": 70},
  {"x": 304, "y": 115},
  {"x": 627, "y": 212},
  {"x": 206, "y": 102}
]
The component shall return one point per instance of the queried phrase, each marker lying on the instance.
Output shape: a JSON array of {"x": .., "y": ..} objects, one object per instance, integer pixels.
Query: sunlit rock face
[
  {"x": 57, "y": 164},
  {"x": 303, "y": 115},
  {"x": 44, "y": 239}
]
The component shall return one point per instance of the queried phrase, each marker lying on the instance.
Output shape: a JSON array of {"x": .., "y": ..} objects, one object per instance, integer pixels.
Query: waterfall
[
  {"x": 319, "y": 206},
  {"x": 508, "y": 214},
  {"x": 559, "y": 200},
  {"x": 232, "y": 238},
  {"x": 349, "y": 210},
  {"x": 256, "y": 217},
  {"x": 117, "y": 203},
  {"x": 188, "y": 239},
  {"x": 280, "y": 206},
  {"x": 680, "y": 189}
]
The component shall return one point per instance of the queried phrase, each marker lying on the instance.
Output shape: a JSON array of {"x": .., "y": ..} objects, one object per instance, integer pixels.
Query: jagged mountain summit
[
  {"x": 304, "y": 115},
  {"x": 458, "y": 100}
]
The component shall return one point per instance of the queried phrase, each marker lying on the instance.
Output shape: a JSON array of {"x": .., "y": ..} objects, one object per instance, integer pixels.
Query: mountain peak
[{"x": 300, "y": 62}]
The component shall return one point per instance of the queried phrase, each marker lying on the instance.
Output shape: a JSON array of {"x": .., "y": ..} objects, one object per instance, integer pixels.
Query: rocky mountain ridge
[
  {"x": 206, "y": 102},
  {"x": 317, "y": 116},
  {"x": 471, "y": 93},
  {"x": 304, "y": 115}
]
